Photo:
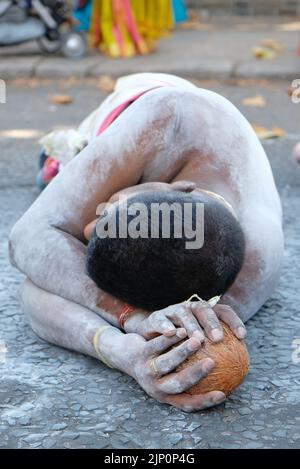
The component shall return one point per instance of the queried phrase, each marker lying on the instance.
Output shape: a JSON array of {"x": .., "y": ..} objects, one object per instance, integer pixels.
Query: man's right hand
[{"x": 152, "y": 365}]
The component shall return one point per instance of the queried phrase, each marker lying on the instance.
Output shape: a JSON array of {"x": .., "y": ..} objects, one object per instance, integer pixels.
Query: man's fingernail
[
  {"x": 241, "y": 332},
  {"x": 194, "y": 344},
  {"x": 219, "y": 398},
  {"x": 170, "y": 332},
  {"x": 208, "y": 365},
  {"x": 198, "y": 335},
  {"x": 216, "y": 334},
  {"x": 181, "y": 333}
]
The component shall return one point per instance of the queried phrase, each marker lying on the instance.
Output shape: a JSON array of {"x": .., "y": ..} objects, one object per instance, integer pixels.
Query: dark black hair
[{"x": 152, "y": 273}]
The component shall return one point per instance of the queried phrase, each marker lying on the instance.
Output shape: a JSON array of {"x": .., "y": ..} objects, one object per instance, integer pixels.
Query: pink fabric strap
[{"x": 116, "y": 112}]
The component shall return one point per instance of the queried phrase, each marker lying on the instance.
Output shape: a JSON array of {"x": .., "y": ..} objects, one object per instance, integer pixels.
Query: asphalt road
[{"x": 53, "y": 398}]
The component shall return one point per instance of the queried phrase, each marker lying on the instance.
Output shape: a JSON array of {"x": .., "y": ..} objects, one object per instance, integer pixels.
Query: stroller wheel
[
  {"x": 49, "y": 46},
  {"x": 73, "y": 45}
]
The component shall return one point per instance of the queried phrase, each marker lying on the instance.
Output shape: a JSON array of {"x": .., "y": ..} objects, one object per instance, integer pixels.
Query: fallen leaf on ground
[
  {"x": 61, "y": 99},
  {"x": 254, "y": 82},
  {"x": 263, "y": 53},
  {"x": 278, "y": 132},
  {"x": 263, "y": 133},
  {"x": 289, "y": 26},
  {"x": 294, "y": 92},
  {"x": 255, "y": 101},
  {"x": 273, "y": 44},
  {"x": 106, "y": 83},
  {"x": 196, "y": 21},
  {"x": 21, "y": 133}
]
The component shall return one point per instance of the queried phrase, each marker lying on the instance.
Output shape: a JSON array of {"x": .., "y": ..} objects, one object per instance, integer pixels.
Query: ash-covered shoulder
[{"x": 207, "y": 105}]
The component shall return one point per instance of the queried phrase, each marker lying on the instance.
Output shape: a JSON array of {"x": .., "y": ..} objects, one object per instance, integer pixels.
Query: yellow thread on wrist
[{"x": 96, "y": 347}]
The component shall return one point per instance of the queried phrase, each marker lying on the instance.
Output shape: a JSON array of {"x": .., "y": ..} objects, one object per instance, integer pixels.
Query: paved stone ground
[
  {"x": 221, "y": 49},
  {"x": 53, "y": 398}
]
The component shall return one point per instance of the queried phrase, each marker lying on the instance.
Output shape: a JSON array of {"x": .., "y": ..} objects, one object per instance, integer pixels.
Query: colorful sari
[{"x": 124, "y": 28}]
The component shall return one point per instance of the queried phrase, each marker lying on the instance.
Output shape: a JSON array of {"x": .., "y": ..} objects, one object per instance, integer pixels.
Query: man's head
[{"x": 164, "y": 265}]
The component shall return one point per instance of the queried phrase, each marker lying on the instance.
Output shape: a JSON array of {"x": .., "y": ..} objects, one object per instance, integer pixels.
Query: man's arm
[
  {"x": 47, "y": 244},
  {"x": 59, "y": 321},
  {"x": 72, "y": 326}
]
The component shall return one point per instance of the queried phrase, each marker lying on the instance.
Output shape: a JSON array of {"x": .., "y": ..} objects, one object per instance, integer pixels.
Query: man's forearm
[
  {"x": 70, "y": 325},
  {"x": 55, "y": 261}
]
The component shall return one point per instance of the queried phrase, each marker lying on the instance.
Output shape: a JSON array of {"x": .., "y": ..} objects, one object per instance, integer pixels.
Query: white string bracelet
[{"x": 212, "y": 302}]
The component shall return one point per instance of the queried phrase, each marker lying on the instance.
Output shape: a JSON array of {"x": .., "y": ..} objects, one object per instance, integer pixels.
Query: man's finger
[
  {"x": 162, "y": 343},
  {"x": 158, "y": 323},
  {"x": 189, "y": 403},
  {"x": 183, "y": 186},
  {"x": 88, "y": 230},
  {"x": 208, "y": 320},
  {"x": 183, "y": 316},
  {"x": 167, "y": 362},
  {"x": 229, "y": 316},
  {"x": 179, "y": 382}
]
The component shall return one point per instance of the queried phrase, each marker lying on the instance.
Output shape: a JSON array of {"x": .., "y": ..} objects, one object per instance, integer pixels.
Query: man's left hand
[{"x": 197, "y": 318}]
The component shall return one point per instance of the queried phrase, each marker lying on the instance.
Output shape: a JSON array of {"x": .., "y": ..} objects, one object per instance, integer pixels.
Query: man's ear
[{"x": 88, "y": 230}]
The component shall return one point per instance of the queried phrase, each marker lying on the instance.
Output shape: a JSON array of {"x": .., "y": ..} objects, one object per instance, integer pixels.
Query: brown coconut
[{"x": 232, "y": 363}]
